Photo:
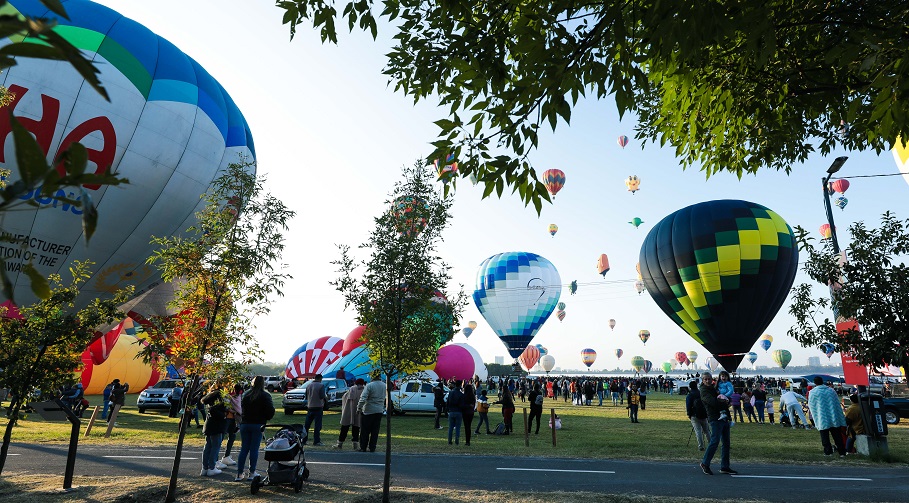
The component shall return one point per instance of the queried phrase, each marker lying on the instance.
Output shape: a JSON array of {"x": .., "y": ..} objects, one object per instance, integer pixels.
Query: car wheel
[
  {"x": 288, "y": 412},
  {"x": 141, "y": 411},
  {"x": 891, "y": 416}
]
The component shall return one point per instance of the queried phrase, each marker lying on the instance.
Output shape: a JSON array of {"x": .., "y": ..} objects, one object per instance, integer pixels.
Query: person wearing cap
[
  {"x": 106, "y": 399},
  {"x": 350, "y": 418},
  {"x": 117, "y": 396}
]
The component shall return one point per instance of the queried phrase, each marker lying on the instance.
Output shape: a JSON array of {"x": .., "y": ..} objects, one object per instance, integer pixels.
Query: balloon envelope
[
  {"x": 841, "y": 202},
  {"x": 619, "y": 353},
  {"x": 454, "y": 362},
  {"x": 840, "y": 185},
  {"x": 636, "y": 222},
  {"x": 479, "y": 368},
  {"x": 611, "y": 324},
  {"x": 529, "y": 357},
  {"x": 637, "y": 362},
  {"x": 901, "y": 157},
  {"x": 648, "y": 366},
  {"x": 543, "y": 350},
  {"x": 516, "y": 293},
  {"x": 560, "y": 315},
  {"x": 553, "y": 228},
  {"x": 644, "y": 335},
  {"x": 633, "y": 183},
  {"x": 666, "y": 366},
  {"x": 169, "y": 127},
  {"x": 825, "y": 231},
  {"x": 354, "y": 339},
  {"x": 682, "y": 358},
  {"x": 547, "y": 362},
  {"x": 472, "y": 325},
  {"x": 752, "y": 357},
  {"x": 122, "y": 362},
  {"x": 560, "y": 306},
  {"x": 721, "y": 270},
  {"x": 692, "y": 356},
  {"x": 314, "y": 357},
  {"x": 765, "y": 341},
  {"x": 782, "y": 357},
  {"x": 712, "y": 364},
  {"x": 553, "y": 179},
  {"x": 603, "y": 264},
  {"x": 639, "y": 287},
  {"x": 623, "y": 141},
  {"x": 467, "y": 331},
  {"x": 588, "y": 356}
]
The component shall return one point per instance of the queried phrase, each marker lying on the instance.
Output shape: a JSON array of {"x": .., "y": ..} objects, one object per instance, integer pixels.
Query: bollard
[
  {"x": 552, "y": 425},
  {"x": 526, "y": 429},
  {"x": 112, "y": 418},
  {"x": 91, "y": 422}
]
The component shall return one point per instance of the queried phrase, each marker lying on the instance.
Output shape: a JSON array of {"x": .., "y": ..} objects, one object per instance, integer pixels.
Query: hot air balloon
[
  {"x": 314, "y": 357},
  {"x": 355, "y": 339},
  {"x": 121, "y": 362},
  {"x": 765, "y": 341},
  {"x": 411, "y": 214},
  {"x": 623, "y": 141},
  {"x": 752, "y": 357},
  {"x": 611, "y": 324},
  {"x": 666, "y": 366},
  {"x": 648, "y": 366},
  {"x": 446, "y": 170},
  {"x": 472, "y": 325},
  {"x": 682, "y": 358},
  {"x": 553, "y": 179},
  {"x": 639, "y": 286},
  {"x": 633, "y": 183},
  {"x": 825, "y": 231},
  {"x": 529, "y": 357},
  {"x": 721, "y": 270},
  {"x": 560, "y": 315},
  {"x": 841, "y": 202},
  {"x": 561, "y": 306},
  {"x": 674, "y": 363},
  {"x": 712, "y": 364},
  {"x": 467, "y": 331},
  {"x": 637, "y": 363},
  {"x": 636, "y": 222},
  {"x": 543, "y": 350},
  {"x": 619, "y": 353},
  {"x": 516, "y": 293},
  {"x": 553, "y": 228},
  {"x": 460, "y": 361},
  {"x": 573, "y": 287},
  {"x": 169, "y": 127},
  {"x": 692, "y": 356},
  {"x": 782, "y": 357},
  {"x": 603, "y": 264},
  {"x": 828, "y": 349},
  {"x": 901, "y": 157},
  {"x": 644, "y": 335},
  {"x": 637, "y": 268},
  {"x": 547, "y": 362},
  {"x": 840, "y": 185},
  {"x": 588, "y": 356}
]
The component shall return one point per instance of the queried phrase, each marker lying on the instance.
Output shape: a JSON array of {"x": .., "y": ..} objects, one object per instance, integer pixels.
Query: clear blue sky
[{"x": 331, "y": 135}]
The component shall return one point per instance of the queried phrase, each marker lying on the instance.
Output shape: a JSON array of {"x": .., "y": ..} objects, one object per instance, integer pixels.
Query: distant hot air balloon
[
  {"x": 560, "y": 315},
  {"x": 560, "y": 306},
  {"x": 623, "y": 141},
  {"x": 692, "y": 356},
  {"x": 611, "y": 324},
  {"x": 547, "y": 362},
  {"x": 840, "y": 185},
  {"x": 529, "y": 357},
  {"x": 603, "y": 264},
  {"x": 314, "y": 357},
  {"x": 666, "y": 366},
  {"x": 712, "y": 364},
  {"x": 553, "y": 228},
  {"x": 633, "y": 183},
  {"x": 588, "y": 356},
  {"x": 516, "y": 293},
  {"x": 639, "y": 286},
  {"x": 411, "y": 214},
  {"x": 637, "y": 268},
  {"x": 543, "y": 350},
  {"x": 752, "y": 357},
  {"x": 573, "y": 288},
  {"x": 619, "y": 353},
  {"x": 446, "y": 170},
  {"x": 636, "y": 222},
  {"x": 644, "y": 335},
  {"x": 825, "y": 231},
  {"x": 674, "y": 363},
  {"x": 472, "y": 325},
  {"x": 841, "y": 202},
  {"x": 637, "y": 363},
  {"x": 721, "y": 270},
  {"x": 901, "y": 157},
  {"x": 553, "y": 179},
  {"x": 467, "y": 331},
  {"x": 828, "y": 349},
  {"x": 682, "y": 358},
  {"x": 782, "y": 357},
  {"x": 765, "y": 341},
  {"x": 648, "y": 366}
]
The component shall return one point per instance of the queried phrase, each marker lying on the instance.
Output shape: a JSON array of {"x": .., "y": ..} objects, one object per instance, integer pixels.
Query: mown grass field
[{"x": 588, "y": 432}]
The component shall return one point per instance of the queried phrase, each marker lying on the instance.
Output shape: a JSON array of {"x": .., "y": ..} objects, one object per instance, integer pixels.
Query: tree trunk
[
  {"x": 171, "y": 495},
  {"x": 386, "y": 482},
  {"x": 8, "y": 435}
]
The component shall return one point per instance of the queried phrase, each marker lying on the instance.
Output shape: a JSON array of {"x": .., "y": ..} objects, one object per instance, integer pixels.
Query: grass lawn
[{"x": 588, "y": 432}]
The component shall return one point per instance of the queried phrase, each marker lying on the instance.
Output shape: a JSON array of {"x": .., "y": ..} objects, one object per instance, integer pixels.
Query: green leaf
[
  {"x": 56, "y": 7},
  {"x": 40, "y": 286},
  {"x": 29, "y": 156}
]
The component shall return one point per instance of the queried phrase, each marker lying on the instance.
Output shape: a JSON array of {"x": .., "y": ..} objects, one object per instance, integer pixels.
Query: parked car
[
  {"x": 896, "y": 407},
  {"x": 296, "y": 398},
  {"x": 414, "y": 396},
  {"x": 275, "y": 384},
  {"x": 157, "y": 396}
]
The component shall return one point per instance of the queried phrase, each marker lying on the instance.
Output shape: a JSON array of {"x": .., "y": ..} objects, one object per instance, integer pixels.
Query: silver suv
[{"x": 156, "y": 397}]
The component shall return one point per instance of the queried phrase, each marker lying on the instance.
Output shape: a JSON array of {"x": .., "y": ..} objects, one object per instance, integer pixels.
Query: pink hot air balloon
[
  {"x": 682, "y": 358},
  {"x": 840, "y": 185},
  {"x": 529, "y": 357},
  {"x": 825, "y": 231},
  {"x": 455, "y": 362},
  {"x": 623, "y": 141},
  {"x": 561, "y": 315}
]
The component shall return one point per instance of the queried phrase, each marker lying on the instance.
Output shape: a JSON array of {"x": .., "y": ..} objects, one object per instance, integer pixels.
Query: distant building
[
  {"x": 814, "y": 361},
  {"x": 500, "y": 360}
]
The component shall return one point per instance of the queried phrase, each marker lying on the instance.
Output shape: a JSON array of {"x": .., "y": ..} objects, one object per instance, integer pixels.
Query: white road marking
[
  {"x": 552, "y": 470},
  {"x": 336, "y": 463},
  {"x": 146, "y": 457},
  {"x": 789, "y": 477}
]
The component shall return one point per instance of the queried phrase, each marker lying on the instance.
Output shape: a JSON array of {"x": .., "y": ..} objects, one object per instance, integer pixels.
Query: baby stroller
[{"x": 286, "y": 459}]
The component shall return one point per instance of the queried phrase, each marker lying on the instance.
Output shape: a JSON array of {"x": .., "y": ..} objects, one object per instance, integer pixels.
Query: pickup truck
[{"x": 414, "y": 396}]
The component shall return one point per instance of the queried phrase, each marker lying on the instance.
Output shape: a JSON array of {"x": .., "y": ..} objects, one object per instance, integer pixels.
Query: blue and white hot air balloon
[{"x": 516, "y": 293}]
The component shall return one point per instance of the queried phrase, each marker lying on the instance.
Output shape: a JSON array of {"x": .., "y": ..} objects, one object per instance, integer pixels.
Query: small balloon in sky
[
  {"x": 636, "y": 222},
  {"x": 553, "y": 179},
  {"x": 841, "y": 202},
  {"x": 633, "y": 183},
  {"x": 623, "y": 141},
  {"x": 553, "y": 228}
]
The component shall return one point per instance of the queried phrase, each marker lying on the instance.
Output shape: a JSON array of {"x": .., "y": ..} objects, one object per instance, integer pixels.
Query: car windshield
[{"x": 165, "y": 384}]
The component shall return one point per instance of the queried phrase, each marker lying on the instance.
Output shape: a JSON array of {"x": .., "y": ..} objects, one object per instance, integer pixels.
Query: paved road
[{"x": 785, "y": 483}]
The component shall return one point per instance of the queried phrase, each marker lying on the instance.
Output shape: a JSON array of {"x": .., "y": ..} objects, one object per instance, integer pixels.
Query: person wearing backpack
[
  {"x": 507, "y": 401},
  {"x": 214, "y": 430},
  {"x": 483, "y": 411},
  {"x": 697, "y": 414},
  {"x": 536, "y": 407},
  {"x": 106, "y": 398}
]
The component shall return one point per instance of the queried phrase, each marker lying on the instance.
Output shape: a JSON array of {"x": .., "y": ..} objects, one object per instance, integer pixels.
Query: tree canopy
[
  {"x": 730, "y": 85},
  {"x": 870, "y": 286}
]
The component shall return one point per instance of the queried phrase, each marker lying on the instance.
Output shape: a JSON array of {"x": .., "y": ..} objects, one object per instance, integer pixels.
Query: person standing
[
  {"x": 117, "y": 397},
  {"x": 642, "y": 396},
  {"x": 828, "y": 416},
  {"x": 107, "y": 392},
  {"x": 536, "y": 408},
  {"x": 483, "y": 411},
  {"x": 350, "y": 418},
  {"x": 258, "y": 409},
  {"x": 315, "y": 404},
  {"x": 507, "y": 401},
  {"x": 760, "y": 399},
  {"x": 438, "y": 401},
  {"x": 789, "y": 401},
  {"x": 371, "y": 406},
  {"x": 234, "y": 413},
  {"x": 697, "y": 414},
  {"x": 454, "y": 403},
  {"x": 633, "y": 402},
  {"x": 215, "y": 427},
  {"x": 468, "y": 404},
  {"x": 719, "y": 428}
]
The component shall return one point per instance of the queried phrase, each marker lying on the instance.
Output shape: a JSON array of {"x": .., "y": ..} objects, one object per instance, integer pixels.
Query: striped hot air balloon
[
  {"x": 644, "y": 335},
  {"x": 637, "y": 363},
  {"x": 554, "y": 180},
  {"x": 588, "y": 356}
]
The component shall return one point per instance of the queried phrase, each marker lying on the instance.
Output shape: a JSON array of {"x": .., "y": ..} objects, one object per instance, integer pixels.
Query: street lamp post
[{"x": 837, "y": 164}]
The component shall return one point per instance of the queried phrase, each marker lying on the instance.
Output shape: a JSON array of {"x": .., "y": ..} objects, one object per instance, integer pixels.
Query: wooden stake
[
  {"x": 112, "y": 420},
  {"x": 526, "y": 430},
  {"x": 552, "y": 417},
  {"x": 91, "y": 422}
]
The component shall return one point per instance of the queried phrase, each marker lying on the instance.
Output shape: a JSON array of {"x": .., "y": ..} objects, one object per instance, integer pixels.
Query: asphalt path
[{"x": 460, "y": 470}]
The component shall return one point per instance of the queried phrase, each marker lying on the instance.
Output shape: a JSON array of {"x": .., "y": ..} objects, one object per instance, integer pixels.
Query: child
[
  {"x": 483, "y": 410},
  {"x": 558, "y": 422},
  {"x": 768, "y": 408},
  {"x": 784, "y": 418}
]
